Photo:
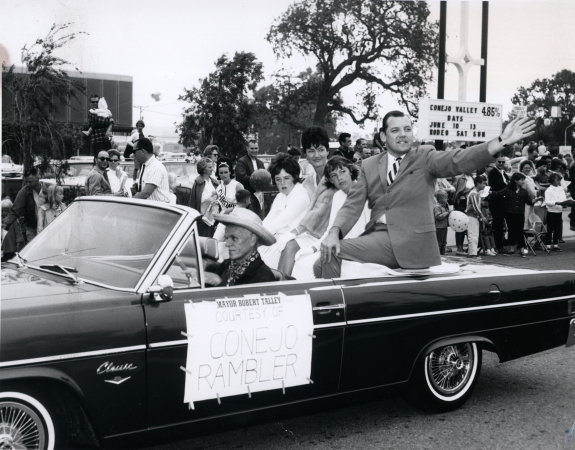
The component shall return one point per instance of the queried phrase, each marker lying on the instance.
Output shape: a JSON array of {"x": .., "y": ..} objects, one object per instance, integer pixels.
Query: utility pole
[{"x": 141, "y": 108}]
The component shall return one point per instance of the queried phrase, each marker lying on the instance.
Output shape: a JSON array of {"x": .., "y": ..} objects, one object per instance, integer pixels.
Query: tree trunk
[{"x": 321, "y": 110}]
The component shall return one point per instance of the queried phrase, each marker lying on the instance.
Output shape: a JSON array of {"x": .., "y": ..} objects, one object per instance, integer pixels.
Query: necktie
[
  {"x": 393, "y": 172},
  {"x": 140, "y": 180}
]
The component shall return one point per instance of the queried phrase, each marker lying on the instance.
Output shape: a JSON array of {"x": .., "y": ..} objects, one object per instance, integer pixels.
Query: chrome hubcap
[
  {"x": 449, "y": 368},
  {"x": 20, "y": 427}
]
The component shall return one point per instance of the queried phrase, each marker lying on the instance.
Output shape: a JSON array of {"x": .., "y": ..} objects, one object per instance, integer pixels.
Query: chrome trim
[
  {"x": 325, "y": 288},
  {"x": 328, "y": 325},
  {"x": 44, "y": 359},
  {"x": 167, "y": 343},
  {"x": 449, "y": 311},
  {"x": 434, "y": 278}
]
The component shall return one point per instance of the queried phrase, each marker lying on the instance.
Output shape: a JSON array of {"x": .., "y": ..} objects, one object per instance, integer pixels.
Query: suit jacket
[
  {"x": 496, "y": 184},
  {"x": 244, "y": 170},
  {"x": 408, "y": 202}
]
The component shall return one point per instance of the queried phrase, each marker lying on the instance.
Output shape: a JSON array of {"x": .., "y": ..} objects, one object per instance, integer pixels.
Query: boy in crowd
[
  {"x": 441, "y": 213},
  {"x": 486, "y": 230}
]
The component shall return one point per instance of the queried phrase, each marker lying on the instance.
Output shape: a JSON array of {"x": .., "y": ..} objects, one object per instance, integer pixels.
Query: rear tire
[
  {"x": 444, "y": 379},
  {"x": 28, "y": 421}
]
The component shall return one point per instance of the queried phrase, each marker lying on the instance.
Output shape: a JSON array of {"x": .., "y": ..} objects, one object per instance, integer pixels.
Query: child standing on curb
[{"x": 441, "y": 213}]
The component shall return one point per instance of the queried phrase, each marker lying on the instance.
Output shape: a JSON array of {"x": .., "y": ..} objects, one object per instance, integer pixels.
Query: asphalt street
[{"x": 528, "y": 403}]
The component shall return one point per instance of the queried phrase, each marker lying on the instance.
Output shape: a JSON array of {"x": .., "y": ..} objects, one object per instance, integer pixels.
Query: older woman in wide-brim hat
[{"x": 244, "y": 233}]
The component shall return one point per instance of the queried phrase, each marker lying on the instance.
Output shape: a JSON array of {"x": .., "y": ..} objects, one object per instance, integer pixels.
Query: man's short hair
[
  {"x": 146, "y": 144},
  {"x": 294, "y": 152},
  {"x": 31, "y": 171},
  {"x": 210, "y": 149},
  {"x": 243, "y": 196},
  {"x": 388, "y": 115},
  {"x": 342, "y": 137},
  {"x": 557, "y": 163},
  {"x": 359, "y": 141},
  {"x": 316, "y": 136},
  {"x": 141, "y": 122},
  {"x": 252, "y": 141},
  {"x": 532, "y": 149},
  {"x": 478, "y": 179}
]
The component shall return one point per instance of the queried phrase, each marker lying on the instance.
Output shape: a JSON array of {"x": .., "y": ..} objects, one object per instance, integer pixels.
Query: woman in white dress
[
  {"x": 288, "y": 208},
  {"x": 116, "y": 176},
  {"x": 228, "y": 186}
]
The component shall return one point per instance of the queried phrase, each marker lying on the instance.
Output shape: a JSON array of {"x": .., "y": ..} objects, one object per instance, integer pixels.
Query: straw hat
[{"x": 249, "y": 220}]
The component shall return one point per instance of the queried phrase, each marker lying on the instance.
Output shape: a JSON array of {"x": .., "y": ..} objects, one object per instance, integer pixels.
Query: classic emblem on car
[
  {"x": 117, "y": 380},
  {"x": 108, "y": 367}
]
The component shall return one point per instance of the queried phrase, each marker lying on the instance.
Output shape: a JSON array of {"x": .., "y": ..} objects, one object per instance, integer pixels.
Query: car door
[
  {"x": 169, "y": 339},
  {"x": 390, "y": 321}
]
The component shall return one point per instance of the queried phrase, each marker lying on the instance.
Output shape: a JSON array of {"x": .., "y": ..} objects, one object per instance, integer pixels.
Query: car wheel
[
  {"x": 444, "y": 379},
  {"x": 26, "y": 422}
]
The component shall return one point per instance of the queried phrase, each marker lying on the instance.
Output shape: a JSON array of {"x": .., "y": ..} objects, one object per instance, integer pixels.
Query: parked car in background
[
  {"x": 73, "y": 172},
  {"x": 110, "y": 333},
  {"x": 186, "y": 172},
  {"x": 11, "y": 178}
]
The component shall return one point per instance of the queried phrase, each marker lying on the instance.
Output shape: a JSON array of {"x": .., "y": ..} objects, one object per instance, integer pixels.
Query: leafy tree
[
  {"x": 220, "y": 110},
  {"x": 28, "y": 128},
  {"x": 559, "y": 90},
  {"x": 350, "y": 39},
  {"x": 287, "y": 107}
]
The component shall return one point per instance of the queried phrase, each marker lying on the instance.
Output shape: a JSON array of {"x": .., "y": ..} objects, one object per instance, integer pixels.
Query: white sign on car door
[{"x": 247, "y": 344}]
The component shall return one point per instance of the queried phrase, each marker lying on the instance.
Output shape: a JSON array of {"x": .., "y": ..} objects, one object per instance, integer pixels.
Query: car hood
[{"x": 27, "y": 283}]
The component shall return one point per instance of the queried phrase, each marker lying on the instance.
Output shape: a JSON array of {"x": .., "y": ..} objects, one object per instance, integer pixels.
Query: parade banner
[
  {"x": 247, "y": 344},
  {"x": 519, "y": 112},
  {"x": 458, "y": 121}
]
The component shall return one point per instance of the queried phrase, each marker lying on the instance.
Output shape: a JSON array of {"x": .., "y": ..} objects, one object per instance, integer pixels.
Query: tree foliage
[
  {"x": 386, "y": 46},
  {"x": 220, "y": 110},
  {"x": 286, "y": 107},
  {"x": 28, "y": 128},
  {"x": 559, "y": 90}
]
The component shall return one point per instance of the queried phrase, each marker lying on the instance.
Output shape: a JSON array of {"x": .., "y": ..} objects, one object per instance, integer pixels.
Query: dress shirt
[
  {"x": 154, "y": 172},
  {"x": 254, "y": 163},
  {"x": 390, "y": 160}
]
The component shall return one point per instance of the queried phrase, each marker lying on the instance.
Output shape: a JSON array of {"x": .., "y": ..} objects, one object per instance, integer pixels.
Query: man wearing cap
[
  {"x": 153, "y": 181},
  {"x": 244, "y": 233}
]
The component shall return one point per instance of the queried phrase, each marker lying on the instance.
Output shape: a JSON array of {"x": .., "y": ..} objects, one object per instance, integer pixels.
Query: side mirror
[{"x": 163, "y": 291}]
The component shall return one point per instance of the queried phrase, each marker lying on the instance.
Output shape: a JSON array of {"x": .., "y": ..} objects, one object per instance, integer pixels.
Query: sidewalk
[{"x": 568, "y": 234}]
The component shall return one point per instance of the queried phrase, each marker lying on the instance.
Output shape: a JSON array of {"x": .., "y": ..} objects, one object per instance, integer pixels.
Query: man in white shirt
[{"x": 152, "y": 183}]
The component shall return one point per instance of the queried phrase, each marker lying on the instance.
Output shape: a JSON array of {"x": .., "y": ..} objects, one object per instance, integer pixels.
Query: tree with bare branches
[{"x": 386, "y": 46}]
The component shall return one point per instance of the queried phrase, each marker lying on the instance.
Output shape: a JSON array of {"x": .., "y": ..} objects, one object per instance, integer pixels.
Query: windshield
[
  {"x": 182, "y": 169},
  {"x": 104, "y": 242}
]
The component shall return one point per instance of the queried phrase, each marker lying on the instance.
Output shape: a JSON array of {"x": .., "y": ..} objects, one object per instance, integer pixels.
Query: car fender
[{"x": 486, "y": 343}]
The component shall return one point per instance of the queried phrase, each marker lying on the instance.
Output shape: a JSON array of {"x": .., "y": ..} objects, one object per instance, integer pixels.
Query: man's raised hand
[{"x": 517, "y": 130}]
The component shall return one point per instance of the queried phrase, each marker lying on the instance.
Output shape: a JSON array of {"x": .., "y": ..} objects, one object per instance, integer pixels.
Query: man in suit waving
[
  {"x": 399, "y": 185},
  {"x": 247, "y": 164},
  {"x": 498, "y": 180}
]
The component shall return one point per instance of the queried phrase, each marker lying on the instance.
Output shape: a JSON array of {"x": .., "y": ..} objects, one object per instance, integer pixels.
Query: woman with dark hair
[
  {"x": 228, "y": 187},
  {"x": 515, "y": 198},
  {"x": 339, "y": 173},
  {"x": 204, "y": 194},
  {"x": 288, "y": 208},
  {"x": 116, "y": 176}
]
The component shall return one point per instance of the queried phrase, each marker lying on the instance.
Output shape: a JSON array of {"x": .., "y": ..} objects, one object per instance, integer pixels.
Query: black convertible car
[{"x": 108, "y": 333}]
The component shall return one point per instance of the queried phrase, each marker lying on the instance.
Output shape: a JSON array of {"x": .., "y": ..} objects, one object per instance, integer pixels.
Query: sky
[{"x": 168, "y": 45}]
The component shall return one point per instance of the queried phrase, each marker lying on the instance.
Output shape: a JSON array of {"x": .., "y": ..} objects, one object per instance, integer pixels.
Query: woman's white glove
[
  {"x": 305, "y": 251},
  {"x": 283, "y": 239}
]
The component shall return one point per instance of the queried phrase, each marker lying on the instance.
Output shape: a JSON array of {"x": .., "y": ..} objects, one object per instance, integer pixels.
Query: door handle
[{"x": 328, "y": 307}]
